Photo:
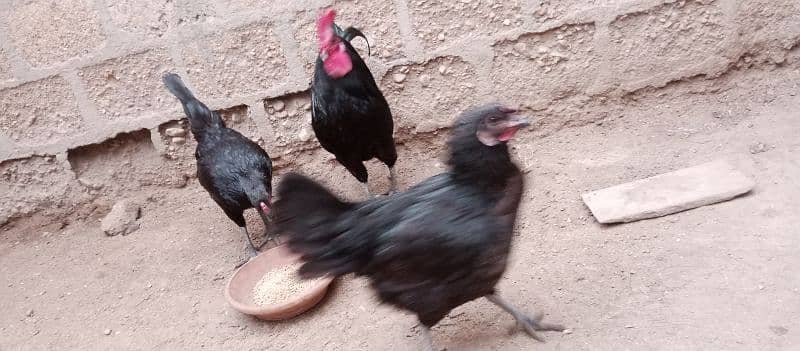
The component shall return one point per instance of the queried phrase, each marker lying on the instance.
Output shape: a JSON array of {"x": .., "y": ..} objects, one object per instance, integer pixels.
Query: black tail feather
[
  {"x": 308, "y": 214},
  {"x": 200, "y": 116},
  {"x": 351, "y": 32},
  {"x": 175, "y": 85}
]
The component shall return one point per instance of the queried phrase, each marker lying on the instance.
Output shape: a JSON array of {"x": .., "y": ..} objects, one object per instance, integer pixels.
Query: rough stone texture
[
  {"x": 771, "y": 26},
  {"x": 269, "y": 5},
  {"x": 148, "y": 18},
  {"x": 125, "y": 163},
  {"x": 194, "y": 11},
  {"x": 39, "y": 113},
  {"x": 667, "y": 38},
  {"x": 5, "y": 67},
  {"x": 47, "y": 32},
  {"x": 446, "y": 85},
  {"x": 547, "y": 66},
  {"x": 549, "y": 10},
  {"x": 383, "y": 35},
  {"x": 130, "y": 86},
  {"x": 443, "y": 22},
  {"x": 668, "y": 193},
  {"x": 178, "y": 154},
  {"x": 290, "y": 119},
  {"x": 238, "y": 118},
  {"x": 33, "y": 184},
  {"x": 122, "y": 220},
  {"x": 242, "y": 62}
]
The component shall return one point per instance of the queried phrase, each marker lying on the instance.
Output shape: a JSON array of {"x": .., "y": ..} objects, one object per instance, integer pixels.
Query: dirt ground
[{"x": 717, "y": 277}]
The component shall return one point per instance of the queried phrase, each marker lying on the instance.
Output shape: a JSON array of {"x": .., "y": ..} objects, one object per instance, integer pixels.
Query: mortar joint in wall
[
  {"x": 86, "y": 108},
  {"x": 411, "y": 45},
  {"x": 258, "y": 114}
]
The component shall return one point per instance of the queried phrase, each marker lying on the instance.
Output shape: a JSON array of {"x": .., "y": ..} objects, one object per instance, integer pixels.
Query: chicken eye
[{"x": 494, "y": 119}]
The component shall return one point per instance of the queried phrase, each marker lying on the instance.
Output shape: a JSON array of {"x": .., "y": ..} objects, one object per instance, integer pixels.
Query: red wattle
[{"x": 507, "y": 134}]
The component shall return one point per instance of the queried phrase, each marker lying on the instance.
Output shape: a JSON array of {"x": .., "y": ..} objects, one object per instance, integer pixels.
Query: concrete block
[
  {"x": 247, "y": 5},
  {"x": 241, "y": 62},
  {"x": 45, "y": 32},
  {"x": 551, "y": 65},
  {"x": 552, "y": 10},
  {"x": 668, "y": 193},
  {"x": 377, "y": 19},
  {"x": 271, "y": 5},
  {"x": 447, "y": 83},
  {"x": 195, "y": 11},
  {"x": 130, "y": 86},
  {"x": 33, "y": 183},
  {"x": 434, "y": 24},
  {"x": 148, "y": 18},
  {"x": 290, "y": 120},
  {"x": 667, "y": 38},
  {"x": 40, "y": 112}
]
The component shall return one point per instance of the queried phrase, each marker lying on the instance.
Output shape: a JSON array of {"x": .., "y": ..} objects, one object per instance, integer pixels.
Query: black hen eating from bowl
[{"x": 233, "y": 169}]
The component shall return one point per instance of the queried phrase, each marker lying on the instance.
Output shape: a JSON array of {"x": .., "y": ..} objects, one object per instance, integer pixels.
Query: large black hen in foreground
[
  {"x": 349, "y": 115},
  {"x": 440, "y": 244},
  {"x": 235, "y": 171}
]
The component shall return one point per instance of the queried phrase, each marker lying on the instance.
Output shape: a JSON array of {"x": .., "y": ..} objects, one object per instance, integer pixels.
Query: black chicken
[
  {"x": 440, "y": 244},
  {"x": 350, "y": 116},
  {"x": 235, "y": 171}
]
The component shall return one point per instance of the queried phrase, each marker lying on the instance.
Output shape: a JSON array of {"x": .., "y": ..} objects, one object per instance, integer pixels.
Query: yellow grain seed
[{"x": 280, "y": 284}]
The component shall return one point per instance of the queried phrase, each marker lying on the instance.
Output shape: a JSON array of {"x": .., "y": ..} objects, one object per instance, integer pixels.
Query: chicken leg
[
  {"x": 267, "y": 234},
  {"x": 251, "y": 249},
  {"x": 531, "y": 325}
]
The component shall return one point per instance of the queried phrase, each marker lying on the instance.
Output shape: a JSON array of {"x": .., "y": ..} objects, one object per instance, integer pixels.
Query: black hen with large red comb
[{"x": 350, "y": 116}]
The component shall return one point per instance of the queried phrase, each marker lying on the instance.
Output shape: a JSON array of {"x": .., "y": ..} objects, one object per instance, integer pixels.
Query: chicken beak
[
  {"x": 338, "y": 31},
  {"x": 519, "y": 122}
]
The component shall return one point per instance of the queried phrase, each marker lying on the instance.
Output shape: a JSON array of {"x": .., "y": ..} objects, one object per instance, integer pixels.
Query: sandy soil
[{"x": 717, "y": 277}]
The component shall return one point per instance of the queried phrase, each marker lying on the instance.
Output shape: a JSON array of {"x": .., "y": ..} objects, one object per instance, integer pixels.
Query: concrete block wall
[{"x": 81, "y": 91}]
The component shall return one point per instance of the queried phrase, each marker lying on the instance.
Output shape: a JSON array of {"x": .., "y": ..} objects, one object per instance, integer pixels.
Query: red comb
[{"x": 325, "y": 21}]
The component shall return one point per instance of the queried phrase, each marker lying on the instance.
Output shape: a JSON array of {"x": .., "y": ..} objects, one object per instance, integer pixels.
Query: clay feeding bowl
[{"x": 239, "y": 291}]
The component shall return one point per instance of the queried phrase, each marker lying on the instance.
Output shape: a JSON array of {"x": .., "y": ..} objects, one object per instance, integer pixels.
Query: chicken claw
[
  {"x": 530, "y": 325},
  {"x": 252, "y": 252},
  {"x": 251, "y": 248}
]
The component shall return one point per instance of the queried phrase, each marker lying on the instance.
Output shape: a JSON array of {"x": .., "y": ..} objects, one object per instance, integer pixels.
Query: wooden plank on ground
[{"x": 668, "y": 193}]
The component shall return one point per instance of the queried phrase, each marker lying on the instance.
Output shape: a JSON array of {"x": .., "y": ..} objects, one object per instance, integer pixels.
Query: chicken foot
[
  {"x": 251, "y": 249},
  {"x": 530, "y": 324}
]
